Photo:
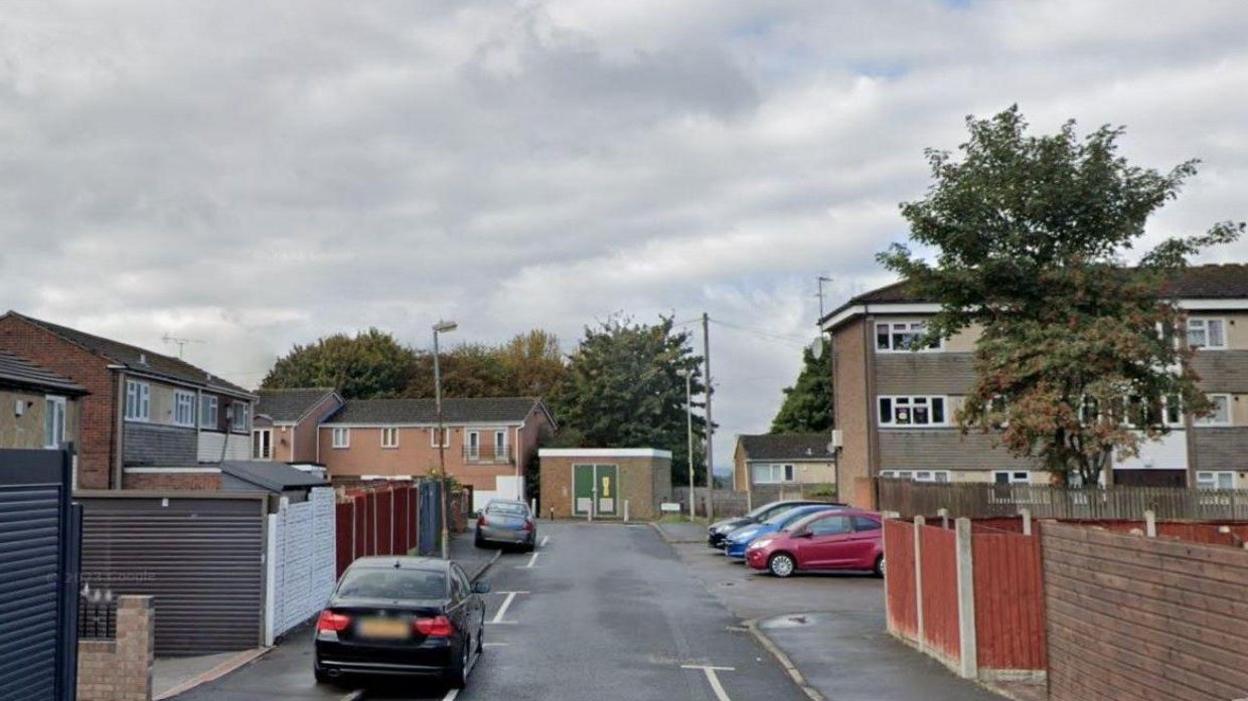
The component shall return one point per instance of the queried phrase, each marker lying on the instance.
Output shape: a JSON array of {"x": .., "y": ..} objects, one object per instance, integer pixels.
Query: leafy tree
[
  {"x": 1030, "y": 235},
  {"x": 370, "y": 364},
  {"x": 529, "y": 365},
  {"x": 807, "y": 404},
  {"x": 623, "y": 389},
  {"x": 533, "y": 362}
]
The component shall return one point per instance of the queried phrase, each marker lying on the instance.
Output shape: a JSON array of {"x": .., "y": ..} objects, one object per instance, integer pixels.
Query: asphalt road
[{"x": 603, "y": 611}]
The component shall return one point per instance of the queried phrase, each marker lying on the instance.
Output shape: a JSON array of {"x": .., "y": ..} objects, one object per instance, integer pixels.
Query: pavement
[
  {"x": 601, "y": 611},
  {"x": 830, "y": 626}
]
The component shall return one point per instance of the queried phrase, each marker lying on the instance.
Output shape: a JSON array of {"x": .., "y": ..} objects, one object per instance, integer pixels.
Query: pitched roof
[
  {"x": 19, "y": 372},
  {"x": 291, "y": 405},
  {"x": 786, "y": 446},
  {"x": 138, "y": 359},
  {"x": 1215, "y": 281},
  {"x": 271, "y": 476},
  {"x": 424, "y": 411}
]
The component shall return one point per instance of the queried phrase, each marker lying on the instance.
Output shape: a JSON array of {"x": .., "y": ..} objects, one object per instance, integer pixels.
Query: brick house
[
  {"x": 144, "y": 410},
  {"x": 287, "y": 421},
  {"x": 896, "y": 407},
  {"x": 762, "y": 464},
  {"x": 488, "y": 445},
  {"x": 38, "y": 408}
]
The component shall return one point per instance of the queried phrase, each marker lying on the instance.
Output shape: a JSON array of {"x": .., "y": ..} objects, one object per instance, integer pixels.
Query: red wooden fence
[
  {"x": 376, "y": 522},
  {"x": 1009, "y": 601},
  {"x": 902, "y": 602},
  {"x": 940, "y": 591}
]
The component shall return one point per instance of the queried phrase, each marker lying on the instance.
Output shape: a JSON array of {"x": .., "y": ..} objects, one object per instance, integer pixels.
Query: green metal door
[
  {"x": 607, "y": 479},
  {"x": 582, "y": 489}
]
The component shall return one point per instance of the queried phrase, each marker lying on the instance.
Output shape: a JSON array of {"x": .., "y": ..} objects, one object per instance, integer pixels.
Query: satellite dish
[{"x": 816, "y": 347}]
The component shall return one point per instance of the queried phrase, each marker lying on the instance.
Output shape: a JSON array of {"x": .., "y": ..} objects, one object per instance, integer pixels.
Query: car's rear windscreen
[
  {"x": 392, "y": 584},
  {"x": 507, "y": 509}
]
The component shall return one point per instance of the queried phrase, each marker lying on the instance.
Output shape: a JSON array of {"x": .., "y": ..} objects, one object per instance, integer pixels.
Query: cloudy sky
[{"x": 254, "y": 175}]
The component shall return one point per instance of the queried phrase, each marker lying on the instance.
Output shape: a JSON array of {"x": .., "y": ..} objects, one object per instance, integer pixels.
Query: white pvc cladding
[
  {"x": 901, "y": 308},
  {"x": 301, "y": 561},
  {"x": 604, "y": 453}
]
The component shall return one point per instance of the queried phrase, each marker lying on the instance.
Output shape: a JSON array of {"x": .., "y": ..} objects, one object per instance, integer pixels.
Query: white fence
[{"x": 300, "y": 560}]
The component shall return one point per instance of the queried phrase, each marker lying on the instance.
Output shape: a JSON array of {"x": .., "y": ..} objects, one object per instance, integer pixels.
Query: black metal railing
[
  {"x": 97, "y": 615},
  {"x": 488, "y": 454}
]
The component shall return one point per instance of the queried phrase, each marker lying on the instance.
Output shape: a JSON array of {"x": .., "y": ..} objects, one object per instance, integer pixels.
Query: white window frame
[
  {"x": 787, "y": 473},
  {"x": 940, "y": 476},
  {"x": 500, "y": 444},
  {"x": 340, "y": 437},
  {"x": 1012, "y": 476},
  {"x": 1212, "y": 420},
  {"x": 1204, "y": 325},
  {"x": 183, "y": 400},
  {"x": 257, "y": 433},
  {"x": 235, "y": 425},
  {"x": 472, "y": 445},
  {"x": 55, "y": 408},
  {"x": 209, "y": 406},
  {"x": 912, "y": 401},
  {"x": 389, "y": 437},
  {"x": 446, "y": 437},
  {"x": 908, "y": 326},
  {"x": 138, "y": 401},
  {"x": 1209, "y": 479}
]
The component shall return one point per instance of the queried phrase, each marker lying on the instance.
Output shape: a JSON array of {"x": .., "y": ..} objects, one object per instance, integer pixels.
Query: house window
[
  {"x": 500, "y": 445},
  {"x": 262, "y": 444},
  {"x": 54, "y": 422},
  {"x": 912, "y": 411},
  {"x": 1010, "y": 477},
  {"x": 183, "y": 408},
  {"x": 917, "y": 475},
  {"x": 773, "y": 474},
  {"x": 1173, "y": 411},
  {"x": 902, "y": 336},
  {"x": 389, "y": 437},
  {"x": 1221, "y": 415},
  {"x": 239, "y": 417},
  {"x": 341, "y": 437},
  {"x": 208, "y": 412},
  {"x": 138, "y": 401},
  {"x": 1206, "y": 333},
  {"x": 446, "y": 437},
  {"x": 473, "y": 439},
  {"x": 1215, "y": 480}
]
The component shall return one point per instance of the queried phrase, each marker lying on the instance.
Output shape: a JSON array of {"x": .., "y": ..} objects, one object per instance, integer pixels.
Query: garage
[{"x": 604, "y": 483}]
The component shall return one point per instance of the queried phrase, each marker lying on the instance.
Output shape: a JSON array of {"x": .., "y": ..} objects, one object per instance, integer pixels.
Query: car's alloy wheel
[
  {"x": 781, "y": 565},
  {"x": 879, "y": 566}
]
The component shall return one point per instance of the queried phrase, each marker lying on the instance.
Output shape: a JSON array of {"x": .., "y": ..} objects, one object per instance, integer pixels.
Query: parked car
[
  {"x": 507, "y": 522},
  {"x": 737, "y": 541},
  {"x": 719, "y": 530},
  {"x": 410, "y": 616},
  {"x": 832, "y": 540}
]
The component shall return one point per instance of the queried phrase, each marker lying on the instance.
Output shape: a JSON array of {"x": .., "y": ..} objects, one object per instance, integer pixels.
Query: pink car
[{"x": 832, "y": 540}]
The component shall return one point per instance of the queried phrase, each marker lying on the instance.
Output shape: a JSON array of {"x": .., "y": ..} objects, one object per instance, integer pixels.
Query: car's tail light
[
  {"x": 437, "y": 627},
  {"x": 482, "y": 520},
  {"x": 528, "y": 525},
  {"x": 331, "y": 622}
]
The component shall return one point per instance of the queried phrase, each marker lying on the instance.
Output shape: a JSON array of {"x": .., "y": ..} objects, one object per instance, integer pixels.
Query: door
[
  {"x": 829, "y": 545},
  {"x": 864, "y": 543},
  {"x": 582, "y": 489},
  {"x": 607, "y": 481}
]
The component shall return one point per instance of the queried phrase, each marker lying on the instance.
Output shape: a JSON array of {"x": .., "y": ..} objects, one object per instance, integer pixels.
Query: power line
[{"x": 794, "y": 341}]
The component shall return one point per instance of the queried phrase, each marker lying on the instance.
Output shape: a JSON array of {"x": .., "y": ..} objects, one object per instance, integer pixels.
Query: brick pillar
[{"x": 136, "y": 647}]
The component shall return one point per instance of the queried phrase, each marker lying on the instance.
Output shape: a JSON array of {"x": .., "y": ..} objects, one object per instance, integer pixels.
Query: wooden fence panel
[
  {"x": 940, "y": 592},
  {"x": 1009, "y": 601},
  {"x": 385, "y": 522},
  {"x": 899, "y": 585},
  {"x": 1169, "y": 618}
]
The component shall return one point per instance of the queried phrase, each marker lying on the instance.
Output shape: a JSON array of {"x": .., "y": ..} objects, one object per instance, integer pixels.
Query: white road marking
[
  {"x": 712, "y": 678},
  {"x": 450, "y": 695},
  {"x": 545, "y": 540},
  {"x": 354, "y": 695},
  {"x": 502, "y": 610},
  {"x": 495, "y": 644},
  {"x": 529, "y": 566}
]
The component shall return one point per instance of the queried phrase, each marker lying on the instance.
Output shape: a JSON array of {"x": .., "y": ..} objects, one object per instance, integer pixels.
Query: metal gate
[
  {"x": 429, "y": 530},
  {"x": 38, "y": 582},
  {"x": 201, "y": 555}
]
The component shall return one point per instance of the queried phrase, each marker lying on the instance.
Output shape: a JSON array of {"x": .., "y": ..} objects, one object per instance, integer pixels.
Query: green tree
[
  {"x": 807, "y": 404},
  {"x": 1030, "y": 233},
  {"x": 529, "y": 365},
  {"x": 369, "y": 364},
  {"x": 623, "y": 389}
]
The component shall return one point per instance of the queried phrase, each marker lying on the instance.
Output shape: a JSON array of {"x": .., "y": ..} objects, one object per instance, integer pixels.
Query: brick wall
[
  {"x": 120, "y": 669},
  {"x": 203, "y": 481},
  {"x": 153, "y": 444},
  {"x": 852, "y": 403},
  {"x": 643, "y": 481},
  {"x": 97, "y": 442}
]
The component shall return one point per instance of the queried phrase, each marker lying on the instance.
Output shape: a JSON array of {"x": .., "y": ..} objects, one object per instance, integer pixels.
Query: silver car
[{"x": 506, "y": 522}]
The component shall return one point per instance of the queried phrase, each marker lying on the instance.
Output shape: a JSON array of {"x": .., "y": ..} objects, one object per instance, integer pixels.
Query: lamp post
[
  {"x": 688, "y": 375},
  {"x": 442, "y": 327}
]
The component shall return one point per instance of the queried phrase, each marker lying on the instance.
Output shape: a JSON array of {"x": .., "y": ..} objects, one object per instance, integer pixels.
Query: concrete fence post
[
  {"x": 968, "y": 667},
  {"x": 919, "y": 522},
  {"x": 625, "y": 511},
  {"x": 1150, "y": 523},
  {"x": 1026, "y": 514},
  {"x": 944, "y": 518}
]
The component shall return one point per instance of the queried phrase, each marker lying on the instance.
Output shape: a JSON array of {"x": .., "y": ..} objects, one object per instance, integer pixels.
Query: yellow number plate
[{"x": 384, "y": 628}]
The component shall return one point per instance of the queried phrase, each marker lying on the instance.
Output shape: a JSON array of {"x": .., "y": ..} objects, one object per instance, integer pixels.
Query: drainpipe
[
  {"x": 873, "y": 430},
  {"x": 119, "y": 414}
]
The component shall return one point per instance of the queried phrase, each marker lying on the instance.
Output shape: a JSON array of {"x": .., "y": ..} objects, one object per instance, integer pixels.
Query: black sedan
[
  {"x": 401, "y": 616},
  {"x": 718, "y": 531}
]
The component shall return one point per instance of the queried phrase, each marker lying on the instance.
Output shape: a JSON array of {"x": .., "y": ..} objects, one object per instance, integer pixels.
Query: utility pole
[
  {"x": 442, "y": 327},
  {"x": 710, "y": 424},
  {"x": 688, "y": 375},
  {"x": 822, "y": 280}
]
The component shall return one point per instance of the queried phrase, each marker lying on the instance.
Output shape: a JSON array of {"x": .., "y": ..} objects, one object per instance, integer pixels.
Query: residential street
[{"x": 607, "y": 612}]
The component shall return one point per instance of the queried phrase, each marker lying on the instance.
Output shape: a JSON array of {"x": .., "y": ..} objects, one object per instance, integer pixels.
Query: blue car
[{"x": 737, "y": 541}]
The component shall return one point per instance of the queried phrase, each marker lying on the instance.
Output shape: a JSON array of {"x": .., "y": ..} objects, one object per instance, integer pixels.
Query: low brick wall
[
  {"x": 120, "y": 669},
  {"x": 205, "y": 480}
]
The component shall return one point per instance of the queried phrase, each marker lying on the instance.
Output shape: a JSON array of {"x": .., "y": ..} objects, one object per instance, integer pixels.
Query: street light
[
  {"x": 688, "y": 375},
  {"x": 442, "y": 327}
]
